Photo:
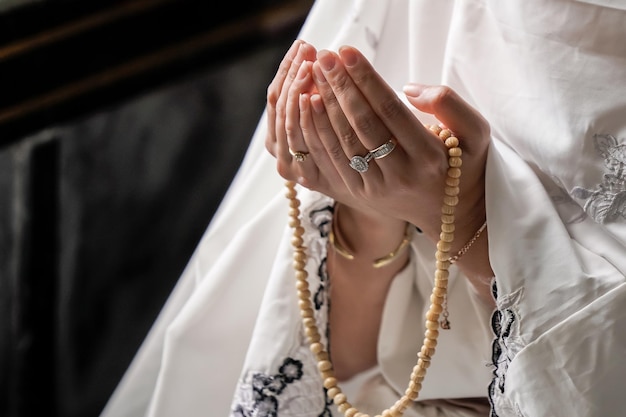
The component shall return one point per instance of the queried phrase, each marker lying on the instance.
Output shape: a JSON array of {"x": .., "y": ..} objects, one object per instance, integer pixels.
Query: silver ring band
[{"x": 361, "y": 163}]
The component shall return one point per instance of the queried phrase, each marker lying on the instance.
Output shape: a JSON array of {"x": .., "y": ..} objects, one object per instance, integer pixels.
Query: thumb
[{"x": 449, "y": 108}]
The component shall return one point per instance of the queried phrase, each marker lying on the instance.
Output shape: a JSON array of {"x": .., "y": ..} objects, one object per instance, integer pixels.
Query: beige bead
[
  {"x": 312, "y": 333},
  {"x": 343, "y": 407},
  {"x": 453, "y": 182},
  {"x": 327, "y": 374},
  {"x": 447, "y": 210},
  {"x": 443, "y": 265},
  {"x": 448, "y": 228},
  {"x": 415, "y": 386},
  {"x": 455, "y": 161},
  {"x": 445, "y": 134},
  {"x": 456, "y": 151},
  {"x": 298, "y": 265},
  {"x": 301, "y": 276},
  {"x": 439, "y": 292},
  {"x": 423, "y": 364},
  {"x": 297, "y": 241},
  {"x": 340, "y": 398},
  {"x": 427, "y": 352},
  {"x": 306, "y": 312},
  {"x": 446, "y": 237},
  {"x": 322, "y": 356},
  {"x": 451, "y": 191},
  {"x": 351, "y": 412},
  {"x": 431, "y": 324},
  {"x": 314, "y": 338},
  {"x": 430, "y": 343},
  {"x": 452, "y": 142},
  {"x": 454, "y": 172},
  {"x": 333, "y": 391},
  {"x": 436, "y": 300},
  {"x": 451, "y": 200},
  {"x": 330, "y": 382},
  {"x": 316, "y": 348},
  {"x": 304, "y": 294},
  {"x": 300, "y": 256},
  {"x": 441, "y": 283},
  {"x": 442, "y": 274},
  {"x": 436, "y": 129},
  {"x": 324, "y": 365},
  {"x": 294, "y": 212},
  {"x": 432, "y": 316},
  {"x": 305, "y": 305},
  {"x": 436, "y": 308},
  {"x": 431, "y": 334},
  {"x": 447, "y": 218},
  {"x": 412, "y": 395},
  {"x": 444, "y": 246},
  {"x": 442, "y": 256}
]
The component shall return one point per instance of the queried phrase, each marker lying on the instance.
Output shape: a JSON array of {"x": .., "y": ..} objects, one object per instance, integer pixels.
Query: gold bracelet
[
  {"x": 468, "y": 245},
  {"x": 380, "y": 262}
]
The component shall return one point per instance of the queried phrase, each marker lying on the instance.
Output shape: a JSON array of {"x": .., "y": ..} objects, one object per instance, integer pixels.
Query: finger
[
  {"x": 334, "y": 131},
  {"x": 273, "y": 93},
  {"x": 448, "y": 107},
  {"x": 394, "y": 114},
  {"x": 369, "y": 128},
  {"x": 305, "y": 52},
  {"x": 293, "y": 160},
  {"x": 302, "y": 84}
]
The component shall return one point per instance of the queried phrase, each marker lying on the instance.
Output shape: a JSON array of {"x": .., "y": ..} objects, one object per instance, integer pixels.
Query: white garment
[{"x": 550, "y": 77}]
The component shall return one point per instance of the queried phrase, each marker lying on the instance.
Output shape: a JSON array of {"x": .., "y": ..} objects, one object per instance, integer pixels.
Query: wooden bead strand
[{"x": 437, "y": 298}]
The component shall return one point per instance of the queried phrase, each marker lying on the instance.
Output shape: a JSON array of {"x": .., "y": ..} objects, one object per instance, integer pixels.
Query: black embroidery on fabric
[
  {"x": 607, "y": 201},
  {"x": 267, "y": 388},
  {"x": 322, "y": 219},
  {"x": 496, "y": 353},
  {"x": 328, "y": 403}
]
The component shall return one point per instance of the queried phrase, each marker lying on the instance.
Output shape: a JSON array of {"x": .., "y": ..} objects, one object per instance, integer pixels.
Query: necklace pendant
[{"x": 445, "y": 324}]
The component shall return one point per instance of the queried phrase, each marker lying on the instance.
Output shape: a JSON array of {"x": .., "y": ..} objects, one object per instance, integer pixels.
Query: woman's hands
[{"x": 336, "y": 106}]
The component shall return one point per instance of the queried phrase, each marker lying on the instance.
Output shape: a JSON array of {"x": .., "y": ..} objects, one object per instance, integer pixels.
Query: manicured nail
[
  {"x": 348, "y": 55},
  {"x": 317, "y": 103},
  {"x": 303, "y": 71},
  {"x": 318, "y": 74},
  {"x": 326, "y": 59},
  {"x": 304, "y": 102},
  {"x": 413, "y": 90}
]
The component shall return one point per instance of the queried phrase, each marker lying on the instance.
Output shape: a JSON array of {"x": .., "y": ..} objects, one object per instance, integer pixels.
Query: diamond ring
[{"x": 361, "y": 163}]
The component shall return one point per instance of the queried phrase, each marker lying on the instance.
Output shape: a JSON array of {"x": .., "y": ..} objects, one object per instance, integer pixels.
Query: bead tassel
[{"x": 438, "y": 296}]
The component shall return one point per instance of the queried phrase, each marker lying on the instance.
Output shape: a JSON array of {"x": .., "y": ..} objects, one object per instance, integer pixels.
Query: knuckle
[
  {"x": 349, "y": 138},
  {"x": 363, "y": 123},
  {"x": 390, "y": 108},
  {"x": 443, "y": 95}
]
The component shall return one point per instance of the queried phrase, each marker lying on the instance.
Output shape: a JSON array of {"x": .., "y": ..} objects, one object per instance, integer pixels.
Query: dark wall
[{"x": 103, "y": 198}]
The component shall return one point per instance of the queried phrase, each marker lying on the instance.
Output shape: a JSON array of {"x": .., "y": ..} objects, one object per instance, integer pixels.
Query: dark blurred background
[{"x": 122, "y": 124}]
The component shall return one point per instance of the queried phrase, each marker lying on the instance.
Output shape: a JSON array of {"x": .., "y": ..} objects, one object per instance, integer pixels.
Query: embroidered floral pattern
[
  {"x": 296, "y": 388},
  {"x": 607, "y": 201},
  {"x": 267, "y": 388},
  {"x": 506, "y": 344}
]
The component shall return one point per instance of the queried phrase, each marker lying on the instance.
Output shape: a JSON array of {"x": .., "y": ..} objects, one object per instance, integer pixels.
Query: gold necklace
[{"x": 440, "y": 290}]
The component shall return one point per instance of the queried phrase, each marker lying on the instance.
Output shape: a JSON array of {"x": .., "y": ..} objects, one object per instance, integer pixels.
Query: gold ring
[{"x": 298, "y": 156}]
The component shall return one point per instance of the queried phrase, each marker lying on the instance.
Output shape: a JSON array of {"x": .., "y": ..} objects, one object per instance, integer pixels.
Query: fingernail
[
  {"x": 326, "y": 59},
  {"x": 318, "y": 74},
  {"x": 302, "y": 72},
  {"x": 317, "y": 104},
  {"x": 294, "y": 46},
  {"x": 413, "y": 90},
  {"x": 304, "y": 102},
  {"x": 348, "y": 55}
]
